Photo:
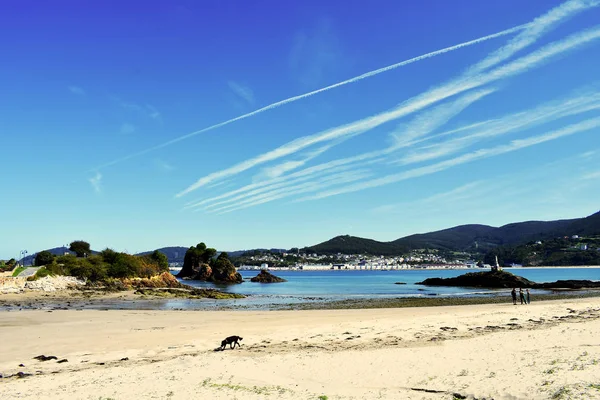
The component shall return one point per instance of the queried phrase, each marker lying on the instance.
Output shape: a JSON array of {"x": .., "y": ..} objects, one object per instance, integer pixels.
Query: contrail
[{"x": 305, "y": 95}]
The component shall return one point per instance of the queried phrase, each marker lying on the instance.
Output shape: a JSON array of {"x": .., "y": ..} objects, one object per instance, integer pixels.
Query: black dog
[{"x": 231, "y": 341}]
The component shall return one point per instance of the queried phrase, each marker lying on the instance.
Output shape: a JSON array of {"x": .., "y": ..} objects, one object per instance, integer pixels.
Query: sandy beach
[{"x": 544, "y": 350}]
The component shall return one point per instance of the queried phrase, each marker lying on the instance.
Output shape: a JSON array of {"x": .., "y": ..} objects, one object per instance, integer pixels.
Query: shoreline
[{"x": 130, "y": 300}]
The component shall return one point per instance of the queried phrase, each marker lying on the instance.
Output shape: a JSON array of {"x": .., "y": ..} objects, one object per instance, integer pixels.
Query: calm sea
[{"x": 347, "y": 284}]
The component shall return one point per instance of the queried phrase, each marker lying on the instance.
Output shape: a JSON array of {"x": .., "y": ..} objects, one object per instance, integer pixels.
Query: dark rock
[
  {"x": 45, "y": 358},
  {"x": 568, "y": 284},
  {"x": 21, "y": 365},
  {"x": 503, "y": 279},
  {"x": 266, "y": 277},
  {"x": 125, "y": 359},
  {"x": 64, "y": 360},
  {"x": 21, "y": 374},
  {"x": 487, "y": 279},
  {"x": 400, "y": 283}
]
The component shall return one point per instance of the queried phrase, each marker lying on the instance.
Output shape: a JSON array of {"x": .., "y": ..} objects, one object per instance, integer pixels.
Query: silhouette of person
[
  {"x": 528, "y": 296},
  {"x": 522, "y": 296},
  {"x": 513, "y": 293}
]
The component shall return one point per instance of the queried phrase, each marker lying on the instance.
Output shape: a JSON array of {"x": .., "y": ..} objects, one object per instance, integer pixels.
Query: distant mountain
[
  {"x": 463, "y": 238},
  {"x": 175, "y": 254},
  {"x": 356, "y": 245},
  {"x": 57, "y": 251}
]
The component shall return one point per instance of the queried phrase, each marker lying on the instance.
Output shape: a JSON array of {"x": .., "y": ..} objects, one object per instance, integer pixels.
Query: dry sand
[{"x": 541, "y": 351}]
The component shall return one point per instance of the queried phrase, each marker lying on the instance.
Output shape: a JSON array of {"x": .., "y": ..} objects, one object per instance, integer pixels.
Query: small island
[
  {"x": 496, "y": 279},
  {"x": 200, "y": 264},
  {"x": 266, "y": 277}
]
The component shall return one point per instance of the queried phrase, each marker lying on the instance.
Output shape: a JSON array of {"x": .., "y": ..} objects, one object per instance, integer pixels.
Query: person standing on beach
[
  {"x": 513, "y": 293},
  {"x": 522, "y": 296},
  {"x": 528, "y": 296}
]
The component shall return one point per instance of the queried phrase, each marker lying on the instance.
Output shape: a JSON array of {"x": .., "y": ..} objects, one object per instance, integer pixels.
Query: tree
[
  {"x": 160, "y": 259},
  {"x": 194, "y": 258},
  {"x": 80, "y": 248},
  {"x": 43, "y": 258}
]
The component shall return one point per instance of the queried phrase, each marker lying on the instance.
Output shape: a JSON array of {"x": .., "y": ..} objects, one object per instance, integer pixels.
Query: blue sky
[{"x": 136, "y": 125}]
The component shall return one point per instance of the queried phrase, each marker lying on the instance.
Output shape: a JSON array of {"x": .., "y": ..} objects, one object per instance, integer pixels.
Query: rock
[
  {"x": 399, "y": 283},
  {"x": 265, "y": 276},
  {"x": 45, "y": 358},
  {"x": 487, "y": 279},
  {"x": 568, "y": 284},
  {"x": 204, "y": 272},
  {"x": 64, "y": 360},
  {"x": 503, "y": 279},
  {"x": 21, "y": 365},
  {"x": 125, "y": 359},
  {"x": 223, "y": 271}
]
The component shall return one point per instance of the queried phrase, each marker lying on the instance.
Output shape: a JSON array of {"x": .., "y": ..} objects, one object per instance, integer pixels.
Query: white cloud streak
[
  {"x": 462, "y": 84},
  {"x": 336, "y": 179},
  {"x": 463, "y": 159},
  {"x": 505, "y": 125},
  {"x": 243, "y": 92},
  {"x": 518, "y": 66},
  {"x": 420, "y": 126},
  {"x": 314, "y": 92},
  {"x": 96, "y": 181}
]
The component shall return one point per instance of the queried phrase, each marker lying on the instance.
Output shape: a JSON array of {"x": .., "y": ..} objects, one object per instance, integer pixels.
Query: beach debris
[
  {"x": 64, "y": 360},
  {"x": 45, "y": 358},
  {"x": 19, "y": 375},
  {"x": 125, "y": 359},
  {"x": 448, "y": 328}
]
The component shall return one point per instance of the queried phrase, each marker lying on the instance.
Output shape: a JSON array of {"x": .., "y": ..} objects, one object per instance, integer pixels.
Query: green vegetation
[
  {"x": 200, "y": 264},
  {"x": 80, "y": 248},
  {"x": 7, "y": 265},
  {"x": 553, "y": 252},
  {"x": 561, "y": 393},
  {"x": 18, "y": 271},
  {"x": 43, "y": 258},
  {"x": 106, "y": 265},
  {"x": 323, "y": 397}
]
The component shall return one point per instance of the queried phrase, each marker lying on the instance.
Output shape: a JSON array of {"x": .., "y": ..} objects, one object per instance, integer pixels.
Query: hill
[
  {"x": 175, "y": 254},
  {"x": 355, "y": 245},
  {"x": 472, "y": 238}
]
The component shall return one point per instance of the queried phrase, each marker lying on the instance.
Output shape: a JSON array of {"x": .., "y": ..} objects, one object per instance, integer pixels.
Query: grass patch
[
  {"x": 561, "y": 393},
  {"x": 264, "y": 390},
  {"x": 17, "y": 271},
  {"x": 594, "y": 386},
  {"x": 322, "y": 397}
]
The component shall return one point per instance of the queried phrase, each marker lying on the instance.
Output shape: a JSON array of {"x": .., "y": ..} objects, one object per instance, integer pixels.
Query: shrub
[{"x": 43, "y": 258}]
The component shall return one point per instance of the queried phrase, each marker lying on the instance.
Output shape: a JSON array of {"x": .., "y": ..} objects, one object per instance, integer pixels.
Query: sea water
[{"x": 352, "y": 284}]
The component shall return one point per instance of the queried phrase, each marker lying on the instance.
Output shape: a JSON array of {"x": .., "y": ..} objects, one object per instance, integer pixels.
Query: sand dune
[{"x": 503, "y": 351}]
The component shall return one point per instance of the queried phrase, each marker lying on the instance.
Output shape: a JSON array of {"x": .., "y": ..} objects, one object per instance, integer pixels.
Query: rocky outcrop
[
  {"x": 503, "y": 279},
  {"x": 266, "y": 277},
  {"x": 487, "y": 279},
  {"x": 54, "y": 283},
  {"x": 568, "y": 284},
  {"x": 199, "y": 264},
  {"x": 223, "y": 271},
  {"x": 8, "y": 284},
  {"x": 164, "y": 280}
]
